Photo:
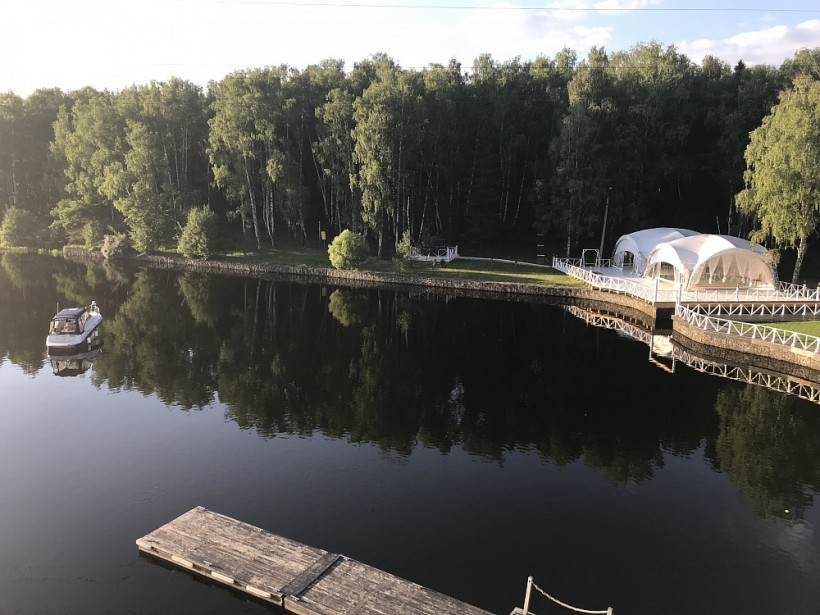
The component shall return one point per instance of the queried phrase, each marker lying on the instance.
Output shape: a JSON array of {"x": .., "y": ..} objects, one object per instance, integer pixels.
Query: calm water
[{"x": 462, "y": 444}]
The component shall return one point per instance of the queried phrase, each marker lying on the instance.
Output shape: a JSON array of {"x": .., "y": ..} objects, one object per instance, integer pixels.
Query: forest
[{"x": 486, "y": 157}]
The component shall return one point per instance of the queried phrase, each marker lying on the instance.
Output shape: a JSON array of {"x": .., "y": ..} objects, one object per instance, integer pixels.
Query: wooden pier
[{"x": 301, "y": 579}]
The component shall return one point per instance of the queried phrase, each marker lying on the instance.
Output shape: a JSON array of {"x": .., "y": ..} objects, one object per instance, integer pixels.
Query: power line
[{"x": 551, "y": 9}]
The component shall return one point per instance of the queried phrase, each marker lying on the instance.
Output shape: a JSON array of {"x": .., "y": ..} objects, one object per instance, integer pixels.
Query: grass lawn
[
  {"x": 809, "y": 327},
  {"x": 485, "y": 271},
  {"x": 460, "y": 269}
]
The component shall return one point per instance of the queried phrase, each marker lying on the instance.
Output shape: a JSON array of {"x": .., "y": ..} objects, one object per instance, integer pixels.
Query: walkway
[{"x": 299, "y": 578}]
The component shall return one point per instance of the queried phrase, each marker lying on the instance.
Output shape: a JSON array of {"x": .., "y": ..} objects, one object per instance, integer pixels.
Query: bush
[
  {"x": 93, "y": 233},
  {"x": 348, "y": 250},
  {"x": 115, "y": 245},
  {"x": 197, "y": 239},
  {"x": 404, "y": 247},
  {"x": 18, "y": 227}
]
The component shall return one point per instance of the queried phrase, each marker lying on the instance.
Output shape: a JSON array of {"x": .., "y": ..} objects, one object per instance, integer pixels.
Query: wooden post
[{"x": 527, "y": 596}]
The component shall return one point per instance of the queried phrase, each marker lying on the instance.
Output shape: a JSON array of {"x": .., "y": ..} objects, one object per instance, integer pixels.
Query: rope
[{"x": 571, "y": 608}]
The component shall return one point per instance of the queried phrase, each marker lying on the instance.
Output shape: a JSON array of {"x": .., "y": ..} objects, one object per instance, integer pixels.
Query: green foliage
[
  {"x": 404, "y": 247},
  {"x": 93, "y": 233},
  {"x": 782, "y": 183},
  {"x": 348, "y": 250},
  {"x": 348, "y": 307},
  {"x": 478, "y": 156},
  {"x": 758, "y": 424},
  {"x": 197, "y": 238},
  {"x": 18, "y": 227},
  {"x": 115, "y": 245}
]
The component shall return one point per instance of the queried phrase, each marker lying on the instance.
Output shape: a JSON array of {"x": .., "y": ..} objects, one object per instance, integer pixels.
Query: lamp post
[{"x": 603, "y": 229}]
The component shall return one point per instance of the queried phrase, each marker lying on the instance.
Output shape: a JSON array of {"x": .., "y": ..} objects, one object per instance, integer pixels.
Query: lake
[{"x": 460, "y": 443}]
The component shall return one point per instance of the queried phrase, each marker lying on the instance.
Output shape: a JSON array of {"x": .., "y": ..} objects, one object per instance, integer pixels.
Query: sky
[{"x": 113, "y": 44}]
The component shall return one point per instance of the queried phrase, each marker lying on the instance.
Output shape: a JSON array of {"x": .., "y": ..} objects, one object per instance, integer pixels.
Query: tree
[
  {"x": 18, "y": 227},
  {"x": 388, "y": 119},
  {"x": 782, "y": 182},
  {"x": 197, "y": 238},
  {"x": 89, "y": 140}
]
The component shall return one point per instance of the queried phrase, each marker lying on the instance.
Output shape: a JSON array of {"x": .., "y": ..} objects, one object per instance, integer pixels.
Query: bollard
[{"x": 527, "y": 596}]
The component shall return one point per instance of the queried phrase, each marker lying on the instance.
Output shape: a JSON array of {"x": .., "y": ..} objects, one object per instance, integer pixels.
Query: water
[{"x": 462, "y": 444}]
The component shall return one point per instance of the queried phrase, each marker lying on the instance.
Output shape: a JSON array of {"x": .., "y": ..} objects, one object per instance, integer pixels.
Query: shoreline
[
  {"x": 504, "y": 290},
  {"x": 760, "y": 355}
]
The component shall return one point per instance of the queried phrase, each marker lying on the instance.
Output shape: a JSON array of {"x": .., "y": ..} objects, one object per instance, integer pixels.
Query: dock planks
[{"x": 301, "y": 579}]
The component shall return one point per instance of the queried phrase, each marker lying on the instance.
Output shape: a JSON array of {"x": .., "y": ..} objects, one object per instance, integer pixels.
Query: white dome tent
[
  {"x": 712, "y": 261},
  {"x": 632, "y": 250}
]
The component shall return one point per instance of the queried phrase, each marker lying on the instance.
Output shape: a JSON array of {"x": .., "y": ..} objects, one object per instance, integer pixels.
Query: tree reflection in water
[{"x": 379, "y": 366}]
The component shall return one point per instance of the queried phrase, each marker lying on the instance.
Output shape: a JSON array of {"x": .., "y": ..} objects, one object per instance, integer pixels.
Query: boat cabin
[{"x": 69, "y": 321}]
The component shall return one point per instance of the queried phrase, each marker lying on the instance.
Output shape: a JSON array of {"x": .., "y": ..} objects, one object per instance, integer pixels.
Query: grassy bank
[
  {"x": 808, "y": 327},
  {"x": 460, "y": 269}
]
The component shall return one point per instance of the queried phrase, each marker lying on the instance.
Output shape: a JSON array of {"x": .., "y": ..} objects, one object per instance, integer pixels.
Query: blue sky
[{"x": 116, "y": 43}]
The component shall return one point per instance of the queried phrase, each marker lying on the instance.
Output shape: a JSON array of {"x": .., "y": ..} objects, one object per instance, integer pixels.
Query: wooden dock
[{"x": 301, "y": 579}]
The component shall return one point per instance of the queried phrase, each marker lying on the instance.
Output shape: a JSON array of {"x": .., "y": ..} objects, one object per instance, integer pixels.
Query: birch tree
[{"x": 782, "y": 178}]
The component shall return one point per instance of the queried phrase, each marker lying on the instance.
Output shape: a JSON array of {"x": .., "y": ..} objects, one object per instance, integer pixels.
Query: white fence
[
  {"x": 768, "y": 311},
  {"x": 437, "y": 253},
  {"x": 576, "y": 268},
  {"x": 616, "y": 284},
  {"x": 612, "y": 323},
  {"x": 775, "y": 382},
  {"x": 693, "y": 317}
]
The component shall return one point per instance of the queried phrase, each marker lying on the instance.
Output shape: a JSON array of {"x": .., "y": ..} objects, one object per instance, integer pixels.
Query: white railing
[
  {"x": 576, "y": 268},
  {"x": 784, "y": 292},
  {"x": 777, "y": 311},
  {"x": 616, "y": 284},
  {"x": 775, "y": 382},
  {"x": 612, "y": 323},
  {"x": 435, "y": 253},
  {"x": 766, "y": 333}
]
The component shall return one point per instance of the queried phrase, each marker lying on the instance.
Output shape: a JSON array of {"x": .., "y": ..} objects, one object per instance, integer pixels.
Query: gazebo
[
  {"x": 632, "y": 250},
  {"x": 712, "y": 261},
  {"x": 695, "y": 260}
]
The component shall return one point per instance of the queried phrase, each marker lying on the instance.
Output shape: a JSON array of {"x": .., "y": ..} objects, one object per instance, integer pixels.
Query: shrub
[
  {"x": 197, "y": 239},
  {"x": 348, "y": 250},
  {"x": 403, "y": 248},
  {"x": 93, "y": 233},
  {"x": 18, "y": 227},
  {"x": 115, "y": 245}
]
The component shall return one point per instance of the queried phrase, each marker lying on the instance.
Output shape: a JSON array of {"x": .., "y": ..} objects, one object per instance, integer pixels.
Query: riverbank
[
  {"x": 759, "y": 354},
  {"x": 502, "y": 288}
]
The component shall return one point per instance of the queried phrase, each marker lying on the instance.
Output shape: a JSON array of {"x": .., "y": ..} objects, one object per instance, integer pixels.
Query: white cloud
[
  {"x": 505, "y": 35},
  {"x": 767, "y": 46}
]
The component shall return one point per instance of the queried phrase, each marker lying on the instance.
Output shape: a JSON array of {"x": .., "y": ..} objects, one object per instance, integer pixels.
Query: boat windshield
[{"x": 64, "y": 325}]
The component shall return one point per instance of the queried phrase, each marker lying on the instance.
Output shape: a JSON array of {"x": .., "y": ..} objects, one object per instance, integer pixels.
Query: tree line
[{"x": 481, "y": 157}]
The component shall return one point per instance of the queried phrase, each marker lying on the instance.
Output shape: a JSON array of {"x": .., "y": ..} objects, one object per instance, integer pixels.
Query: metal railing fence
[{"x": 766, "y": 333}]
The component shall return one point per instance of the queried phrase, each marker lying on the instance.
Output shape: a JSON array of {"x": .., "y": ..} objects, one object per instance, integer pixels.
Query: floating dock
[{"x": 299, "y": 578}]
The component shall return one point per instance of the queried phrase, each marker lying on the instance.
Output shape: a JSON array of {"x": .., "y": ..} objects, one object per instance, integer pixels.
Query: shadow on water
[{"x": 401, "y": 371}]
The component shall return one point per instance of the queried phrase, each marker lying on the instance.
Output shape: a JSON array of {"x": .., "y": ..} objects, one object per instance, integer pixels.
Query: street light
[{"x": 603, "y": 229}]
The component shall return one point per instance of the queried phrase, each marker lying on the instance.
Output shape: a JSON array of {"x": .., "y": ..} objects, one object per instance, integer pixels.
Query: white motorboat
[{"x": 74, "y": 328}]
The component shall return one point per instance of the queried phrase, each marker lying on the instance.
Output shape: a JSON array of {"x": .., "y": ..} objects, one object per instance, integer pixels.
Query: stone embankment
[
  {"x": 506, "y": 290},
  {"x": 736, "y": 350}
]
